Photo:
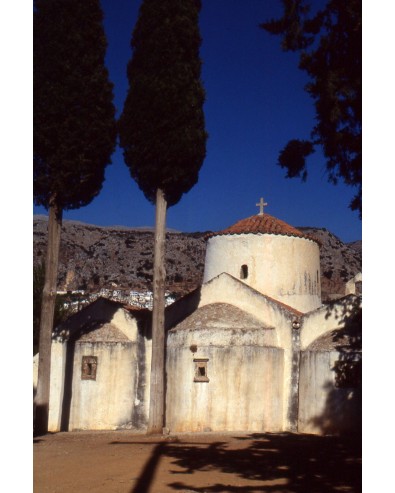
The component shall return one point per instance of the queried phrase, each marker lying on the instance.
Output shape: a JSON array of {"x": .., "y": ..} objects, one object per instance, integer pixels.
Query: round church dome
[{"x": 271, "y": 256}]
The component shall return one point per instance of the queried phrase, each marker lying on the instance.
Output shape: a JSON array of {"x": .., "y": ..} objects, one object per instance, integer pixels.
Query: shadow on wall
[{"x": 343, "y": 407}]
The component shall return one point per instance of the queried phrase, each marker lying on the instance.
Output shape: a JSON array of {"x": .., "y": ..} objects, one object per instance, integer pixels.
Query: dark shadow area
[
  {"x": 288, "y": 463},
  {"x": 89, "y": 318},
  {"x": 40, "y": 420},
  {"x": 182, "y": 308},
  {"x": 147, "y": 476},
  {"x": 307, "y": 463},
  {"x": 343, "y": 406},
  {"x": 68, "y": 385}
]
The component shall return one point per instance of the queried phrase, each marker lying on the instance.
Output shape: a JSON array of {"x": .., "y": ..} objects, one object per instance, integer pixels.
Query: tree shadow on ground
[{"x": 288, "y": 463}]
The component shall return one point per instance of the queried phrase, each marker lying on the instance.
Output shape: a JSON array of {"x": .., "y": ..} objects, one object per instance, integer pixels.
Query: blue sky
[{"x": 255, "y": 103}]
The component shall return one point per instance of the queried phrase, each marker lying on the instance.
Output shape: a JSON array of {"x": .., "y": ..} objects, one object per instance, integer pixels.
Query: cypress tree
[
  {"x": 163, "y": 137},
  {"x": 74, "y": 134}
]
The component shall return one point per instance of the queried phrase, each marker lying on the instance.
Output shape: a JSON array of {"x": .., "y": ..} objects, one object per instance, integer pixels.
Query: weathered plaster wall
[
  {"x": 119, "y": 397},
  {"x": 226, "y": 289},
  {"x": 350, "y": 287},
  {"x": 58, "y": 361},
  {"x": 328, "y": 317},
  {"x": 107, "y": 402},
  {"x": 285, "y": 268},
  {"x": 126, "y": 323},
  {"x": 240, "y": 372},
  {"x": 323, "y": 408}
]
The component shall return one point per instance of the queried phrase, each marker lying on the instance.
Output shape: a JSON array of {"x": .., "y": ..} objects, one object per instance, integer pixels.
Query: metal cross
[{"x": 261, "y": 205}]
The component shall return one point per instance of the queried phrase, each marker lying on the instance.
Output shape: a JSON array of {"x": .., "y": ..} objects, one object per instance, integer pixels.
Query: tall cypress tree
[
  {"x": 74, "y": 132},
  {"x": 163, "y": 137}
]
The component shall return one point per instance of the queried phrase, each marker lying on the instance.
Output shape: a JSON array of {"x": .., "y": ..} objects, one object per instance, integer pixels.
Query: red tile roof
[{"x": 263, "y": 223}]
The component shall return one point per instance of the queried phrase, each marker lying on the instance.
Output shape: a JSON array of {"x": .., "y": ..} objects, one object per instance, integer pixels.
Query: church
[{"x": 252, "y": 349}]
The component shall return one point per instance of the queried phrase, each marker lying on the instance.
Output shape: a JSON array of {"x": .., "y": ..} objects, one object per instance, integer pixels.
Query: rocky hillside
[
  {"x": 93, "y": 257},
  {"x": 339, "y": 261}
]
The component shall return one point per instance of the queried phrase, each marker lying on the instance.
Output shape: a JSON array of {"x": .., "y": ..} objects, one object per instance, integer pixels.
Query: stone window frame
[
  {"x": 201, "y": 370},
  {"x": 89, "y": 367}
]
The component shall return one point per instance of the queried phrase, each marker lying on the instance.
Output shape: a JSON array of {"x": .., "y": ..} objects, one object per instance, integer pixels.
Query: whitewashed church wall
[
  {"x": 126, "y": 323},
  {"x": 324, "y": 408},
  {"x": 232, "y": 400},
  {"x": 226, "y": 289},
  {"x": 351, "y": 287},
  {"x": 220, "y": 337},
  {"x": 327, "y": 318},
  {"x": 107, "y": 402},
  {"x": 285, "y": 268}
]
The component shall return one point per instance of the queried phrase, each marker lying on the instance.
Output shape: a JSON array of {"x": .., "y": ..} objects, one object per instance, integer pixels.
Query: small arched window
[{"x": 244, "y": 271}]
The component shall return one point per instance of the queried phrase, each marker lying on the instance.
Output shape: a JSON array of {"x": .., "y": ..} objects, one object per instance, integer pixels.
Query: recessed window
[
  {"x": 89, "y": 368},
  {"x": 201, "y": 370},
  {"x": 244, "y": 271}
]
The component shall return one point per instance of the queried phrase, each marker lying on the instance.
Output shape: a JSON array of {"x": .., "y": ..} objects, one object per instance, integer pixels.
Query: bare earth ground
[{"x": 126, "y": 462}]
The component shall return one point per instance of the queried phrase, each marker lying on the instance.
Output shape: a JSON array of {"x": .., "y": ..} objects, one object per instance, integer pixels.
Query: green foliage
[
  {"x": 61, "y": 313},
  {"x": 330, "y": 46},
  {"x": 161, "y": 128},
  {"x": 74, "y": 117}
]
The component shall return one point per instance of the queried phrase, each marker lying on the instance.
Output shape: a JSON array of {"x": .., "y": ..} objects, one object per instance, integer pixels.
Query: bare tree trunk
[
  {"x": 157, "y": 389},
  {"x": 47, "y": 318}
]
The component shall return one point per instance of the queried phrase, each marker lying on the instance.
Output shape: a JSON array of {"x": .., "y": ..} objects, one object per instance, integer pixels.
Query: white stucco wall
[
  {"x": 125, "y": 322},
  {"x": 107, "y": 402},
  {"x": 350, "y": 287},
  {"x": 241, "y": 372},
  {"x": 324, "y": 408},
  {"x": 119, "y": 397},
  {"x": 328, "y": 317},
  {"x": 283, "y": 267},
  {"x": 226, "y": 289}
]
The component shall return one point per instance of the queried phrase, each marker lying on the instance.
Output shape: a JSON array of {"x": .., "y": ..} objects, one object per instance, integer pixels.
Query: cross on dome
[{"x": 261, "y": 204}]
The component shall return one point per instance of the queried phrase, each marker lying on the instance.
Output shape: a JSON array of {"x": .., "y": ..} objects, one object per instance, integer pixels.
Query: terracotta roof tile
[{"x": 264, "y": 223}]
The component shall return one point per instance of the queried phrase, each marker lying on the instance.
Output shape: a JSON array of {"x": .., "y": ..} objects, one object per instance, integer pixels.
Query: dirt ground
[{"x": 126, "y": 462}]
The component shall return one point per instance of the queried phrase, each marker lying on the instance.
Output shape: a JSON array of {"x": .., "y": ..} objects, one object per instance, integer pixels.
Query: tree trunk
[
  {"x": 157, "y": 389},
  {"x": 47, "y": 318}
]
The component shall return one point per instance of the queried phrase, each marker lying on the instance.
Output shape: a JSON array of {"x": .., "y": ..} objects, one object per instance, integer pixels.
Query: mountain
[
  {"x": 339, "y": 261},
  {"x": 94, "y": 257}
]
